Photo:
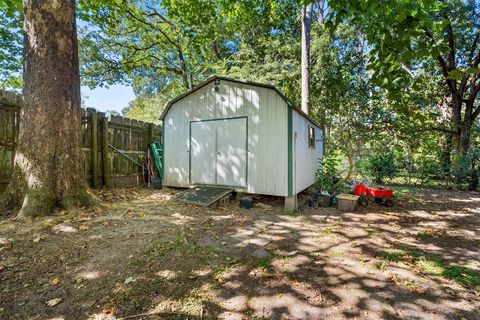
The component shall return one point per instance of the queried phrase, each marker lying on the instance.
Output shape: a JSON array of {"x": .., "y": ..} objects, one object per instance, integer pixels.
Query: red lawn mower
[{"x": 381, "y": 196}]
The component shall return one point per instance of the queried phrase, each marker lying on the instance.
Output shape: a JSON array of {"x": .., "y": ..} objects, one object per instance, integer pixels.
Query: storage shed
[{"x": 240, "y": 134}]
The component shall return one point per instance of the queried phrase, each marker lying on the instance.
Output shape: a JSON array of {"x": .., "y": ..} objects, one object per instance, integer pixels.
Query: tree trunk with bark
[
  {"x": 322, "y": 113},
  {"x": 446, "y": 154},
  {"x": 306, "y": 22},
  {"x": 462, "y": 119},
  {"x": 47, "y": 171}
]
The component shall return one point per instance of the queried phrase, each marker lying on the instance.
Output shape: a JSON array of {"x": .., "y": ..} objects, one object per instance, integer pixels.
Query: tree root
[{"x": 42, "y": 201}]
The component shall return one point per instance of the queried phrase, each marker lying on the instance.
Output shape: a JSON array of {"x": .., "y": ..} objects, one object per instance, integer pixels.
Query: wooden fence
[
  {"x": 103, "y": 165},
  {"x": 9, "y": 119}
]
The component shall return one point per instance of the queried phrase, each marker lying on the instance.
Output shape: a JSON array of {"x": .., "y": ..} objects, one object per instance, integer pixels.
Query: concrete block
[{"x": 291, "y": 203}]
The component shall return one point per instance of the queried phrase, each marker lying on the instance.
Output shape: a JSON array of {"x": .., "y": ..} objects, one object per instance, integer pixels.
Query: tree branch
[
  {"x": 134, "y": 47},
  {"x": 161, "y": 16},
  {"x": 440, "y": 129},
  {"x": 471, "y": 59},
  {"x": 474, "y": 90},
  {"x": 476, "y": 112},
  {"x": 451, "y": 44},
  {"x": 443, "y": 66},
  {"x": 472, "y": 62},
  {"x": 173, "y": 43}
]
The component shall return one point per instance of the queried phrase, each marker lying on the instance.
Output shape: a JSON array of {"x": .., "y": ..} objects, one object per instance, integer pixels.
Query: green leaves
[
  {"x": 11, "y": 8},
  {"x": 180, "y": 41},
  {"x": 455, "y": 74},
  {"x": 473, "y": 70},
  {"x": 327, "y": 172},
  {"x": 409, "y": 37},
  {"x": 380, "y": 165},
  {"x": 10, "y": 43},
  {"x": 459, "y": 74}
]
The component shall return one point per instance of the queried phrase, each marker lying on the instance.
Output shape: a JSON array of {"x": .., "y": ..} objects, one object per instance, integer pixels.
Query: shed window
[{"x": 311, "y": 137}]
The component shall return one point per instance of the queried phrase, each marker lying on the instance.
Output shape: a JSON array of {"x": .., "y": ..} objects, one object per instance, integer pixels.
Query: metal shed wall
[
  {"x": 267, "y": 114},
  {"x": 305, "y": 159}
]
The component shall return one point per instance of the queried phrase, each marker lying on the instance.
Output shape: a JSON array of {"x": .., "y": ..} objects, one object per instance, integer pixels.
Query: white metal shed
[{"x": 240, "y": 134}]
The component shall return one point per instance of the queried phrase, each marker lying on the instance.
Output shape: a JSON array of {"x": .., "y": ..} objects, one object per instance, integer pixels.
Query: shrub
[
  {"x": 431, "y": 168},
  {"x": 327, "y": 172},
  {"x": 379, "y": 166},
  {"x": 466, "y": 169}
]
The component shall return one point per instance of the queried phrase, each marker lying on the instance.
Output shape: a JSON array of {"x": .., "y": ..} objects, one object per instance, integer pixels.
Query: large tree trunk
[
  {"x": 321, "y": 113},
  {"x": 462, "y": 127},
  {"x": 47, "y": 169},
  {"x": 306, "y": 21},
  {"x": 465, "y": 135},
  {"x": 446, "y": 154}
]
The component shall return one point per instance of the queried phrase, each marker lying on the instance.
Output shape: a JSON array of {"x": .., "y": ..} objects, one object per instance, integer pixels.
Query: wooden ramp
[{"x": 204, "y": 196}]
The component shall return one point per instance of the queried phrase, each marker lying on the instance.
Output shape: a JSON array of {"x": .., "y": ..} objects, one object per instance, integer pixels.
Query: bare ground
[{"x": 145, "y": 254}]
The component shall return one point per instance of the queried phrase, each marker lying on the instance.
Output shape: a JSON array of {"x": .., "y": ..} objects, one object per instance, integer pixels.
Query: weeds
[
  {"x": 263, "y": 264},
  {"x": 431, "y": 233},
  {"x": 179, "y": 244},
  {"x": 294, "y": 213},
  {"x": 430, "y": 267},
  {"x": 218, "y": 270},
  {"x": 325, "y": 232},
  {"x": 463, "y": 275},
  {"x": 430, "y": 264},
  {"x": 381, "y": 265},
  {"x": 371, "y": 232},
  {"x": 392, "y": 255},
  {"x": 211, "y": 250},
  {"x": 283, "y": 259},
  {"x": 407, "y": 283}
]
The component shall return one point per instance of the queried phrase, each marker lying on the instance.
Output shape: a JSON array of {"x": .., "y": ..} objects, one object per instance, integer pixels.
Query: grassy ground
[{"x": 143, "y": 256}]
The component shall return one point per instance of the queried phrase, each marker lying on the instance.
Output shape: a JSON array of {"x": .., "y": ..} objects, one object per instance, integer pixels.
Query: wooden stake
[
  {"x": 94, "y": 149},
  {"x": 105, "y": 157}
]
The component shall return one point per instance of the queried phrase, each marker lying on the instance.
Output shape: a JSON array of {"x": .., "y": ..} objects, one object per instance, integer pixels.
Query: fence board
[{"x": 128, "y": 135}]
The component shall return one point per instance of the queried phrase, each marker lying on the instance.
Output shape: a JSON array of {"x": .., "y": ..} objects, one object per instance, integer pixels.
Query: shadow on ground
[{"x": 149, "y": 257}]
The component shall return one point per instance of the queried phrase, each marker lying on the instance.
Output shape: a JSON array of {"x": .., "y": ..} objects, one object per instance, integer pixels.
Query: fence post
[
  {"x": 105, "y": 158},
  {"x": 150, "y": 133},
  {"x": 94, "y": 149}
]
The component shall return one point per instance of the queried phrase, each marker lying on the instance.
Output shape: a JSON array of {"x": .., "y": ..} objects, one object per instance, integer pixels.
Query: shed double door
[{"x": 218, "y": 152}]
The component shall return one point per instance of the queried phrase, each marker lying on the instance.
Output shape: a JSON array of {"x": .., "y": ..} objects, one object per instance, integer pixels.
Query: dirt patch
[{"x": 145, "y": 254}]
